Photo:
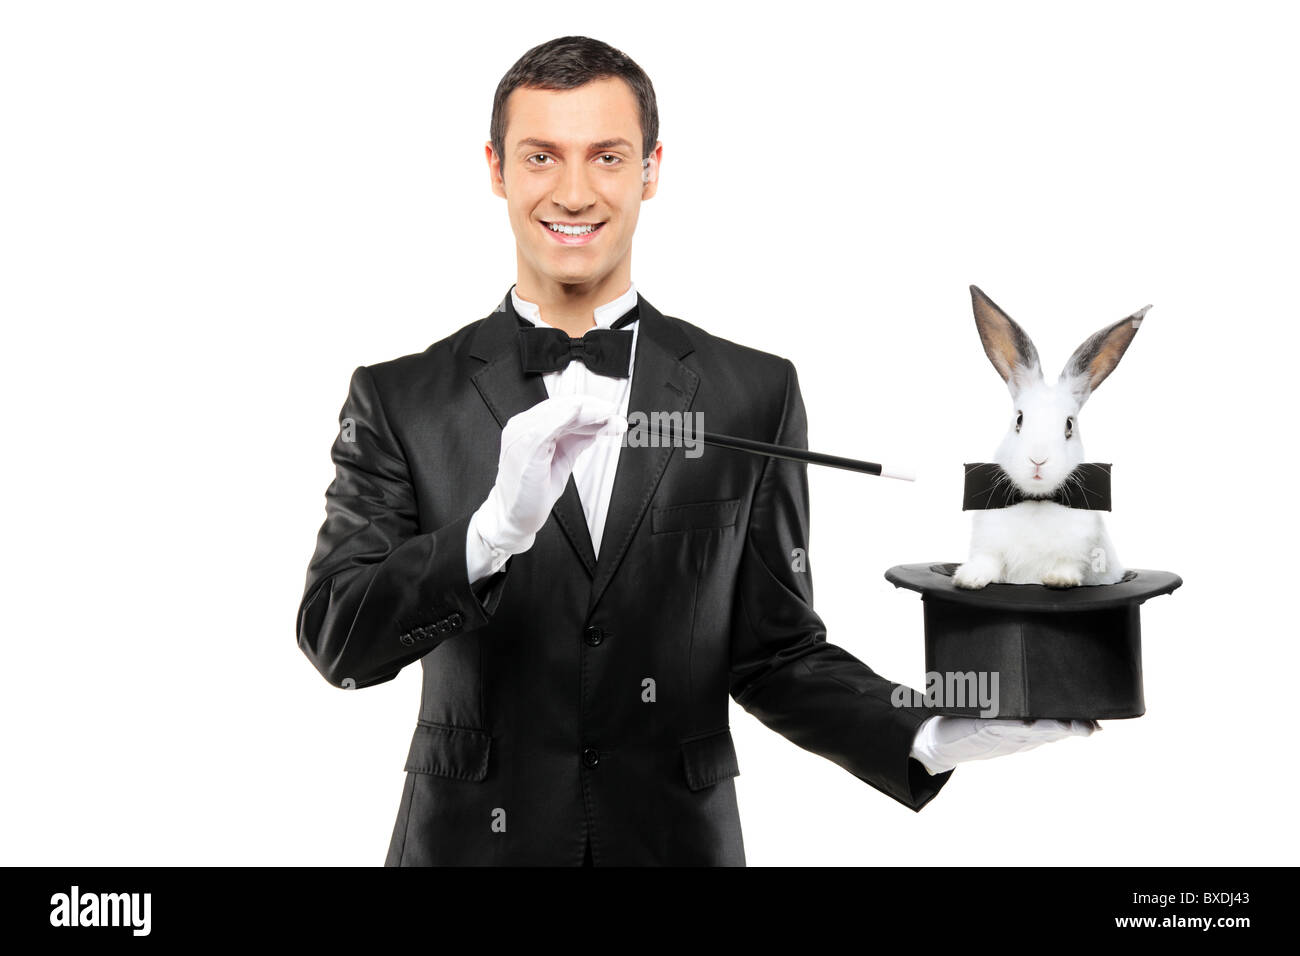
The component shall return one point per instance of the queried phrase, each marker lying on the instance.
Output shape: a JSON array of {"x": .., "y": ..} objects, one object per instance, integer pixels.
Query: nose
[
  {"x": 572, "y": 191},
  {"x": 1039, "y": 463}
]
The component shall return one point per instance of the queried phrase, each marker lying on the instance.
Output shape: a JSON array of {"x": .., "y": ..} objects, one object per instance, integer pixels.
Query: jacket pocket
[
  {"x": 709, "y": 758},
  {"x": 699, "y": 514},
  {"x": 449, "y": 751}
]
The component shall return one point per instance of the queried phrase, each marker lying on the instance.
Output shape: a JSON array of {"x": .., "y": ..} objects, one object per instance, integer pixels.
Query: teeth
[{"x": 570, "y": 230}]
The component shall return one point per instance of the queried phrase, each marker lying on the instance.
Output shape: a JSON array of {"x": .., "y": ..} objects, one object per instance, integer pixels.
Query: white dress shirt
[{"x": 594, "y": 469}]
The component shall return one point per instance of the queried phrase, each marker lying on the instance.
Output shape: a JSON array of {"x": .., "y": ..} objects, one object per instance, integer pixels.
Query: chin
[
  {"x": 1041, "y": 488},
  {"x": 559, "y": 268},
  {"x": 573, "y": 270},
  {"x": 572, "y": 277}
]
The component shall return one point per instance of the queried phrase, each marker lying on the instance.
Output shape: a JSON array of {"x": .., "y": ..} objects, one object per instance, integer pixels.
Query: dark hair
[{"x": 566, "y": 63}]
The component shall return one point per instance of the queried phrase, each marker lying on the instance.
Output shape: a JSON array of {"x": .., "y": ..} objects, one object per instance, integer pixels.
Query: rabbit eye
[
  {"x": 1020, "y": 417},
  {"x": 1069, "y": 426}
]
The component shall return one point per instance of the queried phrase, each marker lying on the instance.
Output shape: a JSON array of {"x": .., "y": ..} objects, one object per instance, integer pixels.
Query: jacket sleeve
[
  {"x": 783, "y": 671},
  {"x": 379, "y": 594}
]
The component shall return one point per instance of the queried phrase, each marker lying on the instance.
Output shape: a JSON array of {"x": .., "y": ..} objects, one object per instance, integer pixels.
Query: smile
[{"x": 573, "y": 234}]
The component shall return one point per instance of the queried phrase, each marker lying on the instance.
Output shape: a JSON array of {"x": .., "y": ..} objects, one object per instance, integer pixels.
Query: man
[{"x": 583, "y": 607}]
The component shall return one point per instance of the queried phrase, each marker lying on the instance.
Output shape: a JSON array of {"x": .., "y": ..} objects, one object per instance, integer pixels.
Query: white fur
[{"x": 1041, "y": 542}]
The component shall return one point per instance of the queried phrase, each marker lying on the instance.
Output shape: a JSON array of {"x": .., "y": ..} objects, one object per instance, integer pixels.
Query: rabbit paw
[
  {"x": 969, "y": 576},
  {"x": 1063, "y": 577}
]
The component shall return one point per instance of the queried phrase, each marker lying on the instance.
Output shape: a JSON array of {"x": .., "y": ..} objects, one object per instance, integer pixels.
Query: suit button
[
  {"x": 594, "y": 636},
  {"x": 590, "y": 758}
]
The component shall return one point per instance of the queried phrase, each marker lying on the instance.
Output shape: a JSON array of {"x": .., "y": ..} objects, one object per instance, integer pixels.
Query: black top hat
[{"x": 1065, "y": 653}]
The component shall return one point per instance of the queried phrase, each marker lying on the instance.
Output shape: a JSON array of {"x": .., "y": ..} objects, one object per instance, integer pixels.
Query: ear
[
  {"x": 1099, "y": 354},
  {"x": 650, "y": 171},
  {"x": 495, "y": 178},
  {"x": 1010, "y": 350}
]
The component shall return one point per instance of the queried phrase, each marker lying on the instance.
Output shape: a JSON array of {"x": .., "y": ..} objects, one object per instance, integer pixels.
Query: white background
[{"x": 213, "y": 212}]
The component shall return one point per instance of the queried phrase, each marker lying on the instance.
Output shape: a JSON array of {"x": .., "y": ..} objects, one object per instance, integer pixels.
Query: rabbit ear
[
  {"x": 1099, "y": 354},
  {"x": 1006, "y": 344}
]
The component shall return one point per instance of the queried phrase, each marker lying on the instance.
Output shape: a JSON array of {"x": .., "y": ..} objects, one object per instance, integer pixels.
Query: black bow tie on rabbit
[
  {"x": 1063, "y": 543},
  {"x": 989, "y": 486}
]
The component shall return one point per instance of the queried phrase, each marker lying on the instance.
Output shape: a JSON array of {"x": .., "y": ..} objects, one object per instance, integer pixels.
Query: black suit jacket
[{"x": 568, "y": 699}]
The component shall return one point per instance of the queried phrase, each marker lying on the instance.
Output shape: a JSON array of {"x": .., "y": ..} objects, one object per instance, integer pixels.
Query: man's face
[{"x": 573, "y": 159}]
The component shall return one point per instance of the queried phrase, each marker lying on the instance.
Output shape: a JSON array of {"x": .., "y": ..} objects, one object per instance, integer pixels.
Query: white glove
[
  {"x": 943, "y": 742},
  {"x": 538, "y": 449}
]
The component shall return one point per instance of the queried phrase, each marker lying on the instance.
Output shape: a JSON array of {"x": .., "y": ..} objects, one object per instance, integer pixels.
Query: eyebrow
[{"x": 602, "y": 144}]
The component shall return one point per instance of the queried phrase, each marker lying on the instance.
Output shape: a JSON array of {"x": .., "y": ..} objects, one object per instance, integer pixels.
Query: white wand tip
[{"x": 893, "y": 471}]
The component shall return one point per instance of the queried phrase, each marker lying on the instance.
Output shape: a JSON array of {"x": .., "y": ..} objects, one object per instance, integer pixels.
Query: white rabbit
[{"x": 1043, "y": 542}]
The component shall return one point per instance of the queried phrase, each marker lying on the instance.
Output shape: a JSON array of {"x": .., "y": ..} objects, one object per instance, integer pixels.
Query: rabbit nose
[{"x": 1039, "y": 463}]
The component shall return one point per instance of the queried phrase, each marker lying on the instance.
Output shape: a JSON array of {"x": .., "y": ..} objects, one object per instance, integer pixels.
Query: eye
[
  {"x": 534, "y": 156},
  {"x": 1020, "y": 417},
  {"x": 616, "y": 159},
  {"x": 1069, "y": 426}
]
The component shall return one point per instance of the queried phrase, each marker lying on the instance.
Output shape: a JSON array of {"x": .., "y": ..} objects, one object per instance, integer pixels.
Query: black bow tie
[
  {"x": 988, "y": 486},
  {"x": 603, "y": 351}
]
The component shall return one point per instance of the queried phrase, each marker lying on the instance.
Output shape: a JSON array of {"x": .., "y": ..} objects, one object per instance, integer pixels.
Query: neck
[{"x": 571, "y": 307}]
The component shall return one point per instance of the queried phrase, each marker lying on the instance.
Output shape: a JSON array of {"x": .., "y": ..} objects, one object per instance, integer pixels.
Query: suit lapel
[
  {"x": 661, "y": 382},
  {"x": 508, "y": 391}
]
